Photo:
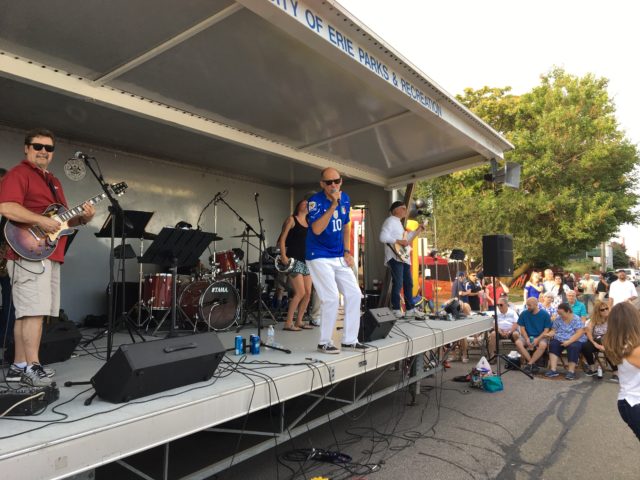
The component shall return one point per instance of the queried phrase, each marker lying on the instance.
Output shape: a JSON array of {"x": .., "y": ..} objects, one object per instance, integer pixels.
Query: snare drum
[
  {"x": 157, "y": 290},
  {"x": 216, "y": 304}
]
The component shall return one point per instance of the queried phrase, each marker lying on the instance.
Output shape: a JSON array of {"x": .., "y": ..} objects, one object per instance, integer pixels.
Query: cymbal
[{"x": 245, "y": 235}]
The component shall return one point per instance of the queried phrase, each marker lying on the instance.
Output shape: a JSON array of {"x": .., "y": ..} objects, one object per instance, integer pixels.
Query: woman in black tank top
[{"x": 292, "y": 243}]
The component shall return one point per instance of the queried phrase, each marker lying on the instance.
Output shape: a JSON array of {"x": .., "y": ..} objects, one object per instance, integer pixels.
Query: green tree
[
  {"x": 577, "y": 173},
  {"x": 620, "y": 257}
]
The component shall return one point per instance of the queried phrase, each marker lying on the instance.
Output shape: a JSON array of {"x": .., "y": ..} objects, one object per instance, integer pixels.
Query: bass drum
[{"x": 215, "y": 306}]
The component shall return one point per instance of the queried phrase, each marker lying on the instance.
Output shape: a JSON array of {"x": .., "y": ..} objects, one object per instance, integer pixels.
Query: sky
[{"x": 464, "y": 43}]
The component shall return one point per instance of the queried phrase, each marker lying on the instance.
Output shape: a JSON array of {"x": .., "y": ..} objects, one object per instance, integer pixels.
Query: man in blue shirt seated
[
  {"x": 534, "y": 325},
  {"x": 330, "y": 262},
  {"x": 577, "y": 307},
  {"x": 567, "y": 333}
]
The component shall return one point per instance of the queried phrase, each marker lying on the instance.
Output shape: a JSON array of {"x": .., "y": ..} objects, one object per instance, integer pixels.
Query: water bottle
[{"x": 271, "y": 334}]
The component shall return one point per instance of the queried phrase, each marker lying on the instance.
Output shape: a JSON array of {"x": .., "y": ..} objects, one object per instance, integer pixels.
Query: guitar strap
[{"x": 49, "y": 182}]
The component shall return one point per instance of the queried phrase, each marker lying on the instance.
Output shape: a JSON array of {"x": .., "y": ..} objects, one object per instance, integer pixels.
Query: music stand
[
  {"x": 138, "y": 222},
  {"x": 174, "y": 247},
  {"x": 132, "y": 225}
]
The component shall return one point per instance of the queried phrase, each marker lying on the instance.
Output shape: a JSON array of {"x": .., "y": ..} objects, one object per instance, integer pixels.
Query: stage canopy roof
[{"x": 268, "y": 90}]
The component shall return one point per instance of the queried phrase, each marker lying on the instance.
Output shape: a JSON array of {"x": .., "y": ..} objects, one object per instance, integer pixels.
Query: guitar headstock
[{"x": 119, "y": 188}]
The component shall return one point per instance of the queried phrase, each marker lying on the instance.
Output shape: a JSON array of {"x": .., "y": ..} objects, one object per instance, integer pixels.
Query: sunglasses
[
  {"x": 330, "y": 182},
  {"x": 604, "y": 309},
  {"x": 39, "y": 146},
  {"x": 502, "y": 304}
]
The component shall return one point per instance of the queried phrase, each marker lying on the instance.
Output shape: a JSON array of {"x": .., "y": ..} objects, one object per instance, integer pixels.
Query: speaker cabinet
[
  {"x": 140, "y": 369},
  {"x": 497, "y": 255},
  {"x": 375, "y": 324},
  {"x": 59, "y": 340}
]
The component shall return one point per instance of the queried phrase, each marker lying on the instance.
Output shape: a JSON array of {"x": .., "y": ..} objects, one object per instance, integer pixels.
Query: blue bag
[{"x": 492, "y": 383}]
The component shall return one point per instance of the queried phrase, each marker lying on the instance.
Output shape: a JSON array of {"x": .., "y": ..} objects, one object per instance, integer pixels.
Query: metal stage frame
[{"x": 71, "y": 438}]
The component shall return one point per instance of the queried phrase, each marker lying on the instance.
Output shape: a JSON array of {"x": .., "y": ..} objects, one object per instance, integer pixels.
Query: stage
[{"x": 70, "y": 437}]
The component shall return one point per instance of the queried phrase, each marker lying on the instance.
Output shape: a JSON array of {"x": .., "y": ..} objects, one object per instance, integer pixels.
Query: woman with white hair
[{"x": 547, "y": 305}]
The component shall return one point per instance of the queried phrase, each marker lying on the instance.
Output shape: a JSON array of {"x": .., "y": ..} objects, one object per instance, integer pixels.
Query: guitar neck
[{"x": 78, "y": 209}]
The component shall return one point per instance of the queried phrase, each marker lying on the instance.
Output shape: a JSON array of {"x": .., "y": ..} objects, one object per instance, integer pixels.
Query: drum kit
[
  {"x": 208, "y": 299},
  {"x": 215, "y": 298}
]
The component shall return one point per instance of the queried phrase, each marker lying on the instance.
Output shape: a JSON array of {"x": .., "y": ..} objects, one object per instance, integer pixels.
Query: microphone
[
  {"x": 256, "y": 195},
  {"x": 81, "y": 156},
  {"x": 74, "y": 168}
]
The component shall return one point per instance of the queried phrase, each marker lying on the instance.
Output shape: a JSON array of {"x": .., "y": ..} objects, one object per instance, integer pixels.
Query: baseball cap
[{"x": 395, "y": 205}]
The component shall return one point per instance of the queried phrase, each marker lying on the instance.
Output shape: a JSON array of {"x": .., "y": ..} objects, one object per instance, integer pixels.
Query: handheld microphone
[{"x": 256, "y": 195}]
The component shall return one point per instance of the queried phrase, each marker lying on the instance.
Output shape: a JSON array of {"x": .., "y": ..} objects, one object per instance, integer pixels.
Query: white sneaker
[
  {"x": 398, "y": 313},
  {"x": 413, "y": 313}
]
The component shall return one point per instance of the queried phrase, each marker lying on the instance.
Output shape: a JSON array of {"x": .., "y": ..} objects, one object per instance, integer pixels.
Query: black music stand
[
  {"x": 132, "y": 225},
  {"x": 174, "y": 247}
]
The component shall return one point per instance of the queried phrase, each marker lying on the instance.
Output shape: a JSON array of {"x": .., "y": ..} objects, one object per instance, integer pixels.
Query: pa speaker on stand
[{"x": 497, "y": 255}]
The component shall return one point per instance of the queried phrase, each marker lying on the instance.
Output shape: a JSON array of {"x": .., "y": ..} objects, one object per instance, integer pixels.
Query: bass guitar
[{"x": 33, "y": 243}]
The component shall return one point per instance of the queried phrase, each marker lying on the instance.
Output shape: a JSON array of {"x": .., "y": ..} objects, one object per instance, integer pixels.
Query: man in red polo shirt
[{"x": 26, "y": 191}]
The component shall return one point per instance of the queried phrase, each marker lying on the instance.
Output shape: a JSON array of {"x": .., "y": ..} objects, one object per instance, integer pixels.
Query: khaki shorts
[{"x": 35, "y": 290}]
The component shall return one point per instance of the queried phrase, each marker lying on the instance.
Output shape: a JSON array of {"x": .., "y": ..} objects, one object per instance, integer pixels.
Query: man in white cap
[{"x": 392, "y": 234}]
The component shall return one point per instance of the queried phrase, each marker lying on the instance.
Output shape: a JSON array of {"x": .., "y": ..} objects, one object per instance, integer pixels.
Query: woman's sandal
[
  {"x": 292, "y": 328},
  {"x": 305, "y": 326}
]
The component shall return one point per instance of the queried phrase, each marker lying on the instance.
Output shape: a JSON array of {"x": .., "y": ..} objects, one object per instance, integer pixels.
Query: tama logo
[{"x": 220, "y": 289}]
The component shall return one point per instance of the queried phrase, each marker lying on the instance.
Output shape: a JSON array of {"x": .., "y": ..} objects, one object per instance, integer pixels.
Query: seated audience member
[
  {"x": 507, "y": 325},
  {"x": 534, "y": 287},
  {"x": 595, "y": 331},
  {"x": 577, "y": 307},
  {"x": 567, "y": 333},
  {"x": 534, "y": 326},
  {"x": 546, "y": 304},
  {"x": 622, "y": 344},
  {"x": 457, "y": 287},
  {"x": 458, "y": 309}
]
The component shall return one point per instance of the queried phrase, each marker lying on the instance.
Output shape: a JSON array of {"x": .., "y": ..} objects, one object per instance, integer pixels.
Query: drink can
[
  {"x": 531, "y": 339},
  {"x": 255, "y": 344},
  {"x": 239, "y": 345}
]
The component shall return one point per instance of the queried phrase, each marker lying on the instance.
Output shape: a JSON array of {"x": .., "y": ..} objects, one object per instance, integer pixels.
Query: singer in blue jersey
[{"x": 330, "y": 262}]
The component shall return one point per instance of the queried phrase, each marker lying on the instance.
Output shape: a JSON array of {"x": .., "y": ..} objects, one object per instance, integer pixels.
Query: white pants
[{"x": 332, "y": 276}]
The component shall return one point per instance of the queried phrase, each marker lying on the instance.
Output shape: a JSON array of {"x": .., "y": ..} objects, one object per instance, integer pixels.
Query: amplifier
[
  {"x": 42, "y": 396},
  {"x": 375, "y": 324}
]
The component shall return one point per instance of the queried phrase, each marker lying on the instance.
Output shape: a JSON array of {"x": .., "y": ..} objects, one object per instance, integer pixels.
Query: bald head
[
  {"x": 532, "y": 304},
  {"x": 330, "y": 181}
]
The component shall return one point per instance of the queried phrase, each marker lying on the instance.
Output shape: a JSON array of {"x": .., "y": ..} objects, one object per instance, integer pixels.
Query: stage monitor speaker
[
  {"x": 59, "y": 341},
  {"x": 140, "y": 369},
  {"x": 497, "y": 255},
  {"x": 375, "y": 324}
]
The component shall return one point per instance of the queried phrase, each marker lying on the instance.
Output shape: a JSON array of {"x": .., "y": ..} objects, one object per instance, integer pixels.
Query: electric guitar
[
  {"x": 402, "y": 253},
  {"x": 33, "y": 243}
]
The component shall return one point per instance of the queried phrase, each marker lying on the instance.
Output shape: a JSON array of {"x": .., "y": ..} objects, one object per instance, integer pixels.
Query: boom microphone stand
[
  {"x": 260, "y": 236},
  {"x": 117, "y": 212}
]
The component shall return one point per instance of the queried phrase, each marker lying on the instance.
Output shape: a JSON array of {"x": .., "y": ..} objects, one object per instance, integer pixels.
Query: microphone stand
[
  {"x": 260, "y": 250},
  {"x": 116, "y": 209}
]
